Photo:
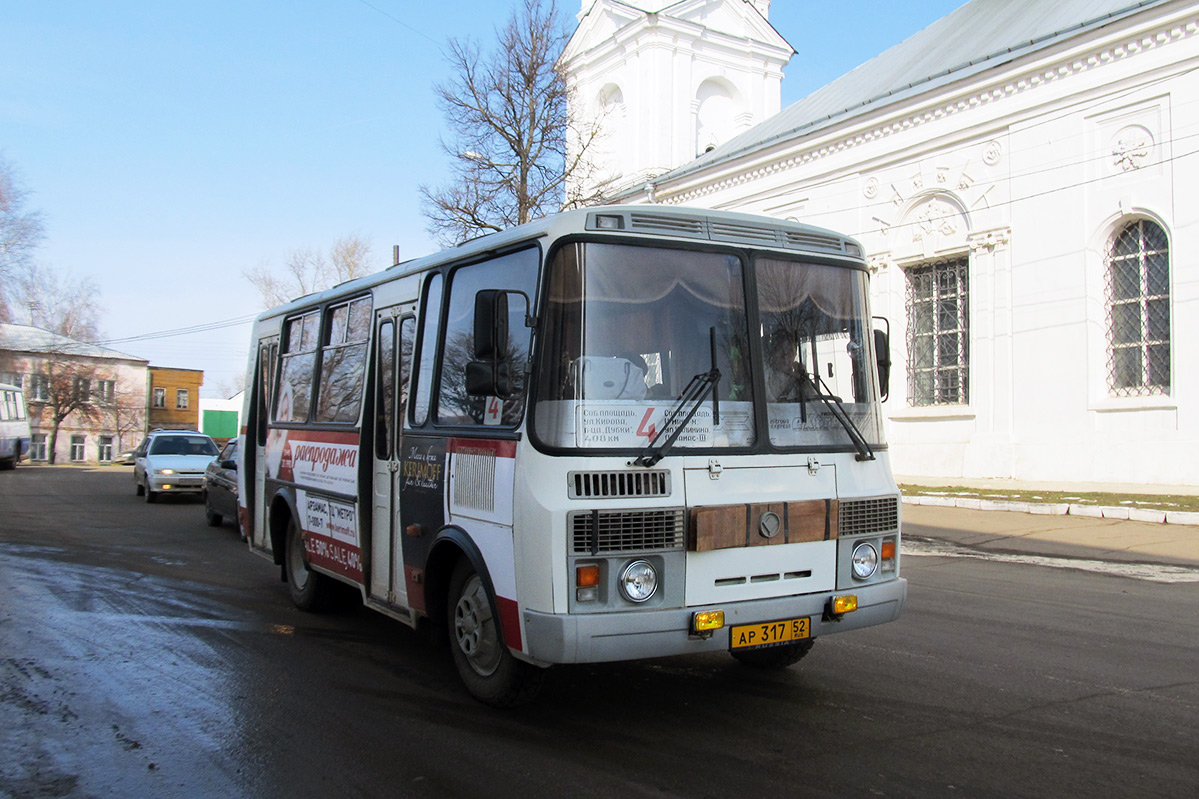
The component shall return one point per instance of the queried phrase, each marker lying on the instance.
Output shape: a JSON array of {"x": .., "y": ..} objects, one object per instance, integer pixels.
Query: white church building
[{"x": 1023, "y": 175}]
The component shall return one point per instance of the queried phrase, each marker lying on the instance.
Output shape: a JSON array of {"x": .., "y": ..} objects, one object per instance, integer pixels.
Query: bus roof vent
[
  {"x": 798, "y": 240},
  {"x": 670, "y": 225},
  {"x": 602, "y": 485},
  {"x": 741, "y": 232}
]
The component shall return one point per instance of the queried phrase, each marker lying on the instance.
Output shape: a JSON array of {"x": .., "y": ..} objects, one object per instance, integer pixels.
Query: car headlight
[
  {"x": 864, "y": 560},
  {"x": 638, "y": 581},
  {"x": 164, "y": 471}
]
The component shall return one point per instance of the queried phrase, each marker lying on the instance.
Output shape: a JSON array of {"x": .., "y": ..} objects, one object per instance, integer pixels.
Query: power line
[{"x": 182, "y": 331}]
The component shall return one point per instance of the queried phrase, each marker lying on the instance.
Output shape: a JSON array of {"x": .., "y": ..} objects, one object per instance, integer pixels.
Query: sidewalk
[{"x": 1088, "y": 537}]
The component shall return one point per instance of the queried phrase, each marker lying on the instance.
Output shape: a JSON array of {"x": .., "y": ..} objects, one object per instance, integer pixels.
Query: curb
[{"x": 1060, "y": 509}]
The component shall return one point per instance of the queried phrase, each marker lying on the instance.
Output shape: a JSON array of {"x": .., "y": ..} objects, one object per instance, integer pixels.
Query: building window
[
  {"x": 78, "y": 449},
  {"x": 181, "y": 399},
  {"x": 83, "y": 389},
  {"x": 39, "y": 387},
  {"x": 37, "y": 447},
  {"x": 106, "y": 391},
  {"x": 12, "y": 378},
  {"x": 104, "y": 452},
  {"x": 1138, "y": 311},
  {"x": 939, "y": 333},
  {"x": 160, "y": 398}
]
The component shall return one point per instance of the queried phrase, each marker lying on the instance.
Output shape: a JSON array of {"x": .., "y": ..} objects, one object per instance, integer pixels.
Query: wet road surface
[{"x": 145, "y": 654}]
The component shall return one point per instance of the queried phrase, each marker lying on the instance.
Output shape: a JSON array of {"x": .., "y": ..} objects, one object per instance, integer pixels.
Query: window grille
[
  {"x": 938, "y": 333},
  {"x": 1138, "y": 311}
]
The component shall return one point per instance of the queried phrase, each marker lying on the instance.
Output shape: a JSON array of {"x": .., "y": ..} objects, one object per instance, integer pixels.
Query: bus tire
[
  {"x": 309, "y": 591},
  {"x": 776, "y": 657},
  {"x": 489, "y": 671}
]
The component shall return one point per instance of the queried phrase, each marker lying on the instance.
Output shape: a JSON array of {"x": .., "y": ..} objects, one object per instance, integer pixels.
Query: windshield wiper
[
  {"x": 684, "y": 408},
  {"x": 679, "y": 416},
  {"x": 833, "y": 402}
]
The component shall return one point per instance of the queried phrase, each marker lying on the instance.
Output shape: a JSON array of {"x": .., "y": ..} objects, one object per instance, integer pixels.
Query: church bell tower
[{"x": 668, "y": 80}]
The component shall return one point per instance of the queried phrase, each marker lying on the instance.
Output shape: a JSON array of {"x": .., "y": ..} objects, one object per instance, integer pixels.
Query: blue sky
[{"x": 171, "y": 145}]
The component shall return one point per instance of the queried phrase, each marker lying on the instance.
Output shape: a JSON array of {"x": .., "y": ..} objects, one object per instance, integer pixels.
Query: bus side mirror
[
  {"x": 882, "y": 351},
  {"x": 490, "y": 373}
]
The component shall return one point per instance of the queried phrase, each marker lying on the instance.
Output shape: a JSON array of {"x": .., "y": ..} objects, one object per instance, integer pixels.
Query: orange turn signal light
[
  {"x": 707, "y": 620},
  {"x": 847, "y": 603},
  {"x": 888, "y": 549},
  {"x": 587, "y": 576}
]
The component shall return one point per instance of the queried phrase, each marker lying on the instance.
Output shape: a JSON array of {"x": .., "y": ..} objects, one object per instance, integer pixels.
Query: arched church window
[
  {"x": 1138, "y": 310},
  {"x": 715, "y": 115}
]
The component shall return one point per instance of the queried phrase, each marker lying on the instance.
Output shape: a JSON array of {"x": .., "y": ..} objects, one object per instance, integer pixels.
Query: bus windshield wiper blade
[
  {"x": 679, "y": 416},
  {"x": 865, "y": 453}
]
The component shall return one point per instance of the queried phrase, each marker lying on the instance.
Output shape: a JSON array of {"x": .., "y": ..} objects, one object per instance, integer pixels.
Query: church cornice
[{"x": 1028, "y": 79}]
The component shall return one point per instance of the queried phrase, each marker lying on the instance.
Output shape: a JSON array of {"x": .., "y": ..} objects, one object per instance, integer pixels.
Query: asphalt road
[{"x": 144, "y": 654}]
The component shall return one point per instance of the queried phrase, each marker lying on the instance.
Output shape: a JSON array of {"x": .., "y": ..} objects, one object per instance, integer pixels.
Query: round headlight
[
  {"x": 638, "y": 581},
  {"x": 864, "y": 560}
]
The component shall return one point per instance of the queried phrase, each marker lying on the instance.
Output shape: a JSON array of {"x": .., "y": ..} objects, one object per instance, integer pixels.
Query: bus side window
[
  {"x": 301, "y": 335},
  {"x": 385, "y": 399},
  {"x": 422, "y": 384},
  {"x": 407, "y": 343},
  {"x": 514, "y": 271}
]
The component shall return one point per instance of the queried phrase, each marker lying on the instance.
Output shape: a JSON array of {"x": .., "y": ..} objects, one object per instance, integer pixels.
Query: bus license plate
[{"x": 769, "y": 633}]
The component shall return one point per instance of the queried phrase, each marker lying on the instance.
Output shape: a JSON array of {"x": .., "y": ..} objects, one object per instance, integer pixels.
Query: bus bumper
[{"x": 599, "y": 637}]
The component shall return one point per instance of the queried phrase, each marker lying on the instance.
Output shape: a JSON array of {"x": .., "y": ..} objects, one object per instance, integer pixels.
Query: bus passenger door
[
  {"x": 251, "y": 475},
  {"x": 395, "y": 334}
]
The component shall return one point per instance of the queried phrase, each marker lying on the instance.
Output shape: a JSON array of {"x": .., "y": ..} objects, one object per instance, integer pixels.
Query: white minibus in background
[
  {"x": 620, "y": 432},
  {"x": 14, "y": 426}
]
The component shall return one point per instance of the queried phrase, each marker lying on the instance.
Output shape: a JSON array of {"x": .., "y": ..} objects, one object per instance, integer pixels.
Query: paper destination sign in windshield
[{"x": 634, "y": 424}]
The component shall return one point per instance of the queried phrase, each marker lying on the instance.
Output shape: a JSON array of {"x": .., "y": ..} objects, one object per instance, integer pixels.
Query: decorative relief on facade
[
  {"x": 992, "y": 153},
  {"x": 990, "y": 240},
  {"x": 870, "y": 189},
  {"x": 934, "y": 220},
  {"x": 1131, "y": 148}
]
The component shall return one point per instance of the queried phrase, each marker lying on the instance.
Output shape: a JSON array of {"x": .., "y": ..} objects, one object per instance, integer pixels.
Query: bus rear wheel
[
  {"x": 491, "y": 674},
  {"x": 776, "y": 657},
  {"x": 309, "y": 590}
]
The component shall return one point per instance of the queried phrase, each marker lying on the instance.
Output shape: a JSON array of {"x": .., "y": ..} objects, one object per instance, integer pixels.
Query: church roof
[
  {"x": 978, "y": 36},
  {"x": 23, "y": 338}
]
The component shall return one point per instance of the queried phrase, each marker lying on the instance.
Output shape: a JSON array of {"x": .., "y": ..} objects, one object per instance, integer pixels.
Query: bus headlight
[
  {"x": 864, "y": 561},
  {"x": 638, "y": 581}
]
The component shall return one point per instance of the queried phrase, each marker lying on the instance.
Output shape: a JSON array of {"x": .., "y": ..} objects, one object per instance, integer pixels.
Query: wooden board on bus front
[{"x": 729, "y": 526}]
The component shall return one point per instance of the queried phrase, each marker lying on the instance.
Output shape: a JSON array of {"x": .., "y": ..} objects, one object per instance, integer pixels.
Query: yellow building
[{"x": 175, "y": 398}]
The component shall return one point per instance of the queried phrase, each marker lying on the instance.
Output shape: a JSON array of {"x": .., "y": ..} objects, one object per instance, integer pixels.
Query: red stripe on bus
[{"x": 498, "y": 448}]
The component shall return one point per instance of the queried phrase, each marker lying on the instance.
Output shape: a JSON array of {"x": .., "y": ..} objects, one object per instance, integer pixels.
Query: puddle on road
[{"x": 1137, "y": 571}]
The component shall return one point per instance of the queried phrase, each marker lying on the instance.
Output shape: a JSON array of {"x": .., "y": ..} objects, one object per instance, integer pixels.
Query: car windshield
[
  {"x": 626, "y": 328},
  {"x": 183, "y": 445}
]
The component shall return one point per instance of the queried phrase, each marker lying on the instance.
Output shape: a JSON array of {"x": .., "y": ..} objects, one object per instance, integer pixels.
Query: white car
[{"x": 172, "y": 462}]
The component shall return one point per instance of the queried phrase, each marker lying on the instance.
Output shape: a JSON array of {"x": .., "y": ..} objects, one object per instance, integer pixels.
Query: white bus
[
  {"x": 616, "y": 433},
  {"x": 14, "y": 426}
]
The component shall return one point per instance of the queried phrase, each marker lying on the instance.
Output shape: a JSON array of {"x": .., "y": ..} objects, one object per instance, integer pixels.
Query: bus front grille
[
  {"x": 868, "y": 516},
  {"x": 627, "y": 530},
  {"x": 591, "y": 485}
]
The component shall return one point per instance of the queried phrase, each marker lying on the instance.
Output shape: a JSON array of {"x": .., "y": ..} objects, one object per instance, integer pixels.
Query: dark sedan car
[{"x": 220, "y": 486}]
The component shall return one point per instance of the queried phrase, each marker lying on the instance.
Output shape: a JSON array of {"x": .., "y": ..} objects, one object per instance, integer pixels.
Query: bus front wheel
[
  {"x": 491, "y": 674},
  {"x": 307, "y": 588},
  {"x": 777, "y": 657}
]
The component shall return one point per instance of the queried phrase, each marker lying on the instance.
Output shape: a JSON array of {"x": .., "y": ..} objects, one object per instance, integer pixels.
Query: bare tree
[
  {"x": 508, "y": 109},
  {"x": 67, "y": 390},
  {"x": 306, "y": 270},
  {"x": 20, "y": 233},
  {"x": 59, "y": 302},
  {"x": 126, "y": 410}
]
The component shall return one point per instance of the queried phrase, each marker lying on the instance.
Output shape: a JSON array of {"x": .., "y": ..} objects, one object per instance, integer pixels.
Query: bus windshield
[{"x": 627, "y": 328}]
